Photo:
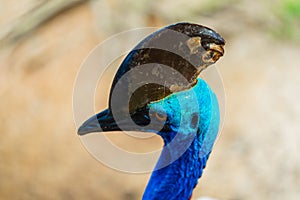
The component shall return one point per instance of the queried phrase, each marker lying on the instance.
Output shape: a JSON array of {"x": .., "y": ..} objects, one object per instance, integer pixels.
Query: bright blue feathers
[{"x": 193, "y": 116}]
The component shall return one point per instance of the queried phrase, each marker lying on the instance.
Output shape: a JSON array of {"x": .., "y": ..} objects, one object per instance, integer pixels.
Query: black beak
[
  {"x": 105, "y": 122},
  {"x": 101, "y": 122}
]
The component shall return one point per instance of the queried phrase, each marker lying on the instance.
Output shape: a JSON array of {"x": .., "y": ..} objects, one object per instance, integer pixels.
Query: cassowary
[{"x": 157, "y": 89}]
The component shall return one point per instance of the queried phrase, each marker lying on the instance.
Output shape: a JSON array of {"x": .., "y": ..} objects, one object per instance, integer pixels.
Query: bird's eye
[{"x": 160, "y": 117}]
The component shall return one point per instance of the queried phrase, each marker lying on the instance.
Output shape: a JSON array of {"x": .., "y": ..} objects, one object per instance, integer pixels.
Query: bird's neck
[
  {"x": 187, "y": 148},
  {"x": 177, "y": 171}
]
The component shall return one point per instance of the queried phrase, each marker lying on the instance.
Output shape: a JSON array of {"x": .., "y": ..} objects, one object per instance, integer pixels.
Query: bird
[{"x": 158, "y": 88}]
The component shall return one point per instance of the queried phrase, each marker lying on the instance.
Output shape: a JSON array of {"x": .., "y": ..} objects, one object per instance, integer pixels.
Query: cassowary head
[
  {"x": 153, "y": 86},
  {"x": 156, "y": 89}
]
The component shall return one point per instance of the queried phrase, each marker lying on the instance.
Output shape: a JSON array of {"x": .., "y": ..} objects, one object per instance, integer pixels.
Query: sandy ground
[{"x": 41, "y": 157}]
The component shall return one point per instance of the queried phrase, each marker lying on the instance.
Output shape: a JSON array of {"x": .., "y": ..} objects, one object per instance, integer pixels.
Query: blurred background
[{"x": 42, "y": 45}]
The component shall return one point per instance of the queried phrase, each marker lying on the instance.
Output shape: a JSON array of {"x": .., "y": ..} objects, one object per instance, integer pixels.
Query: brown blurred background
[{"x": 43, "y": 43}]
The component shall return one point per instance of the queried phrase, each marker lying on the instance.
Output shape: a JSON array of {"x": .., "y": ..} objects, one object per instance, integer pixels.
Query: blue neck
[
  {"x": 178, "y": 179},
  {"x": 186, "y": 149}
]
